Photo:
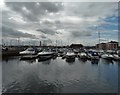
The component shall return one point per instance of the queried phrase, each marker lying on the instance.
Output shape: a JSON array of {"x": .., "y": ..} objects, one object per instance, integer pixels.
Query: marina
[
  {"x": 68, "y": 53},
  {"x": 59, "y": 47},
  {"x": 59, "y": 76},
  {"x": 61, "y": 69}
]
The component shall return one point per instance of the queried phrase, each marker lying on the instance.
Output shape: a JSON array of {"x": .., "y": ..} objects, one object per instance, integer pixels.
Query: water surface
[{"x": 59, "y": 76}]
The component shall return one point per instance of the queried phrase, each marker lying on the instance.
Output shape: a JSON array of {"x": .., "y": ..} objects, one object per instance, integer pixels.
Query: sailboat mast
[{"x": 99, "y": 38}]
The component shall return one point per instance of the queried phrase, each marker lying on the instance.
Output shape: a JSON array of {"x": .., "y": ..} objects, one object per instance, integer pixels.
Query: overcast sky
[{"x": 62, "y": 21}]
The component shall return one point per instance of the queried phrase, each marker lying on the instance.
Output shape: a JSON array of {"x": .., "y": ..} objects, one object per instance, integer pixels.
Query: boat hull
[
  {"x": 28, "y": 57},
  {"x": 44, "y": 58},
  {"x": 108, "y": 58}
]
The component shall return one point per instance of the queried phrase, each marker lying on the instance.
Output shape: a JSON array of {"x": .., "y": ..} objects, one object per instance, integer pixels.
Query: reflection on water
[
  {"x": 59, "y": 76},
  {"x": 46, "y": 62},
  {"x": 29, "y": 61},
  {"x": 107, "y": 61},
  {"x": 94, "y": 61},
  {"x": 70, "y": 60},
  {"x": 82, "y": 59}
]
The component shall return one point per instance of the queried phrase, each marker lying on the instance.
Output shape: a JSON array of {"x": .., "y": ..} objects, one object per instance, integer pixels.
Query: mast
[{"x": 99, "y": 38}]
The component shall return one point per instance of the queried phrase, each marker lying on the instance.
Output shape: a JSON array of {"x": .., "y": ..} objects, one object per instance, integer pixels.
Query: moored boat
[
  {"x": 116, "y": 57},
  {"x": 107, "y": 56},
  {"x": 28, "y": 57},
  {"x": 70, "y": 56},
  {"x": 42, "y": 56},
  {"x": 93, "y": 55},
  {"x": 82, "y": 55},
  {"x": 28, "y": 51}
]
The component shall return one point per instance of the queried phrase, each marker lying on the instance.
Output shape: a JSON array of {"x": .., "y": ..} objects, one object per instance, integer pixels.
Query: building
[
  {"x": 112, "y": 45},
  {"x": 101, "y": 46},
  {"x": 76, "y": 46}
]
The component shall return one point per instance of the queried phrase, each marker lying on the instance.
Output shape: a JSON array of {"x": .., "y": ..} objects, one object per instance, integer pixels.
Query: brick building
[
  {"x": 112, "y": 45},
  {"x": 107, "y": 46},
  {"x": 101, "y": 46}
]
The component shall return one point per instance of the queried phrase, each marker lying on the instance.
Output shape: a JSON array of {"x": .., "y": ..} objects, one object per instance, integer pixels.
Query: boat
[
  {"x": 107, "y": 56},
  {"x": 54, "y": 51},
  {"x": 93, "y": 55},
  {"x": 116, "y": 57},
  {"x": 42, "y": 56},
  {"x": 61, "y": 52},
  {"x": 28, "y": 51},
  {"x": 75, "y": 51},
  {"x": 70, "y": 56},
  {"x": 82, "y": 55},
  {"x": 28, "y": 57}
]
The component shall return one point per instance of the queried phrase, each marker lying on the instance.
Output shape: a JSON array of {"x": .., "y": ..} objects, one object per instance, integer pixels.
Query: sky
[{"x": 63, "y": 23}]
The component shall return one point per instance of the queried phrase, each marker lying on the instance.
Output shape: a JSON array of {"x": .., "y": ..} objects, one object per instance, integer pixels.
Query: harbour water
[{"x": 59, "y": 76}]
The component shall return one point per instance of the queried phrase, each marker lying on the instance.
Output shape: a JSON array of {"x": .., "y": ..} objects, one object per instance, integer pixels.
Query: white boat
[
  {"x": 82, "y": 55},
  {"x": 45, "y": 55},
  {"x": 28, "y": 57},
  {"x": 29, "y": 51},
  {"x": 70, "y": 57},
  {"x": 75, "y": 51},
  {"x": 116, "y": 56},
  {"x": 107, "y": 56}
]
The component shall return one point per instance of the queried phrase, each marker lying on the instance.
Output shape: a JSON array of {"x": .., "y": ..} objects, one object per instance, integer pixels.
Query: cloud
[
  {"x": 92, "y": 9},
  {"x": 33, "y": 11},
  {"x": 60, "y": 20},
  {"x": 8, "y": 32},
  {"x": 81, "y": 33},
  {"x": 47, "y": 31}
]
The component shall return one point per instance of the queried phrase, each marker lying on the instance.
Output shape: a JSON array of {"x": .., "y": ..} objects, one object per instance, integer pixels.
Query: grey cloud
[
  {"x": 9, "y": 32},
  {"x": 92, "y": 9},
  {"x": 51, "y": 7},
  {"x": 80, "y": 33},
  {"x": 47, "y": 22},
  {"x": 36, "y": 11},
  {"x": 61, "y": 23},
  {"x": 48, "y": 41},
  {"x": 43, "y": 36},
  {"x": 47, "y": 31}
]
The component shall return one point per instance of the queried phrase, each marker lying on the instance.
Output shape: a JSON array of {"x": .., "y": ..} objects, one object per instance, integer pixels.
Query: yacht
[
  {"x": 107, "y": 56},
  {"x": 82, "y": 55},
  {"x": 70, "y": 56},
  {"x": 44, "y": 55},
  {"x": 116, "y": 56},
  {"x": 28, "y": 51},
  {"x": 93, "y": 55}
]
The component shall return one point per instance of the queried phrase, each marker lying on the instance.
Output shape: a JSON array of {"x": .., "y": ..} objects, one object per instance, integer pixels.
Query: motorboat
[
  {"x": 28, "y": 51},
  {"x": 107, "y": 56},
  {"x": 61, "y": 52},
  {"x": 28, "y": 57},
  {"x": 93, "y": 55},
  {"x": 70, "y": 56},
  {"x": 82, "y": 55},
  {"x": 116, "y": 56},
  {"x": 42, "y": 56},
  {"x": 75, "y": 51}
]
